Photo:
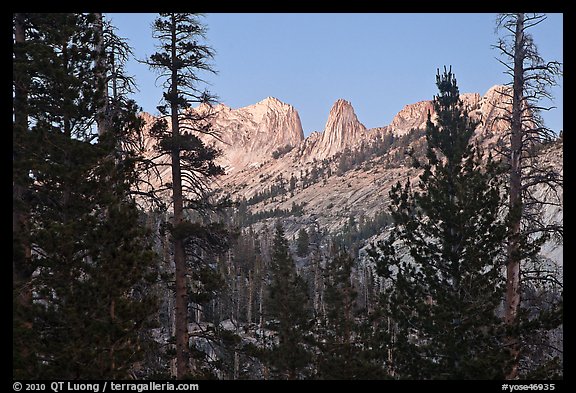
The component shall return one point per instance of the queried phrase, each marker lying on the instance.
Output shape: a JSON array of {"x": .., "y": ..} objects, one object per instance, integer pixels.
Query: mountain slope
[{"x": 344, "y": 172}]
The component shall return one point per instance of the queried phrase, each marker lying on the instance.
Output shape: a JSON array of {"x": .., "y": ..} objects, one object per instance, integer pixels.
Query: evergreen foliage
[
  {"x": 195, "y": 237},
  {"x": 290, "y": 311},
  {"x": 344, "y": 336},
  {"x": 302, "y": 243},
  {"x": 89, "y": 313},
  {"x": 442, "y": 263},
  {"x": 353, "y": 235}
]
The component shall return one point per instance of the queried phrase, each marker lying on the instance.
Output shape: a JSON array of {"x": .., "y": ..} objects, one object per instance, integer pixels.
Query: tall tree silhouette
[
  {"x": 289, "y": 306},
  {"x": 442, "y": 261},
  {"x": 89, "y": 252},
  {"x": 179, "y": 62},
  {"x": 531, "y": 77}
]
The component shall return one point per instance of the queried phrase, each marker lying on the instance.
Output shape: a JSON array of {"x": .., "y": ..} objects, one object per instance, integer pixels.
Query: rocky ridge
[
  {"x": 345, "y": 171},
  {"x": 249, "y": 135},
  {"x": 342, "y": 129}
]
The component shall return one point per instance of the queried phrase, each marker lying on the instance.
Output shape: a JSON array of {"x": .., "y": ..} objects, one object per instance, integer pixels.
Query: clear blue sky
[{"x": 379, "y": 62}]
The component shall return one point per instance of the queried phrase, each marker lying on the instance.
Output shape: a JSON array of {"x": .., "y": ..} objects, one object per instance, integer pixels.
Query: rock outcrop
[
  {"x": 411, "y": 117},
  {"x": 492, "y": 107},
  {"x": 249, "y": 135},
  {"x": 487, "y": 109},
  {"x": 343, "y": 129}
]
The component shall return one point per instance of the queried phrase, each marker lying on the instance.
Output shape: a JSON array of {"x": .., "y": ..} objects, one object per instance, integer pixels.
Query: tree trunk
[
  {"x": 390, "y": 356},
  {"x": 236, "y": 366},
  {"x": 316, "y": 283},
  {"x": 515, "y": 202},
  {"x": 21, "y": 273},
  {"x": 238, "y": 290},
  {"x": 181, "y": 304},
  {"x": 261, "y": 311},
  {"x": 100, "y": 75},
  {"x": 250, "y": 297},
  {"x": 21, "y": 252}
]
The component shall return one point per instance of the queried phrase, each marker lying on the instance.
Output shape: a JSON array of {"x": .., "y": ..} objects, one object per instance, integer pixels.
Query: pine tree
[
  {"x": 442, "y": 261},
  {"x": 90, "y": 253},
  {"x": 22, "y": 267},
  {"x": 289, "y": 308},
  {"x": 531, "y": 77},
  {"x": 180, "y": 60},
  {"x": 302, "y": 243},
  {"x": 343, "y": 348}
]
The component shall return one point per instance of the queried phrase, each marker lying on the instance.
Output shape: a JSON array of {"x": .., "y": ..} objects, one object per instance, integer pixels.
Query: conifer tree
[
  {"x": 343, "y": 346},
  {"x": 531, "y": 77},
  {"x": 91, "y": 254},
  {"x": 289, "y": 308},
  {"x": 180, "y": 61},
  {"x": 303, "y": 243},
  {"x": 442, "y": 263},
  {"x": 22, "y": 268}
]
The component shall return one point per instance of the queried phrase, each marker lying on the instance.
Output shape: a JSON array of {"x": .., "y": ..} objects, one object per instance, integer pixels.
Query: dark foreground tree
[
  {"x": 442, "y": 263},
  {"x": 343, "y": 334},
  {"x": 22, "y": 268},
  {"x": 303, "y": 243},
  {"x": 89, "y": 311},
  {"x": 290, "y": 313},
  {"x": 180, "y": 60},
  {"x": 529, "y": 177}
]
